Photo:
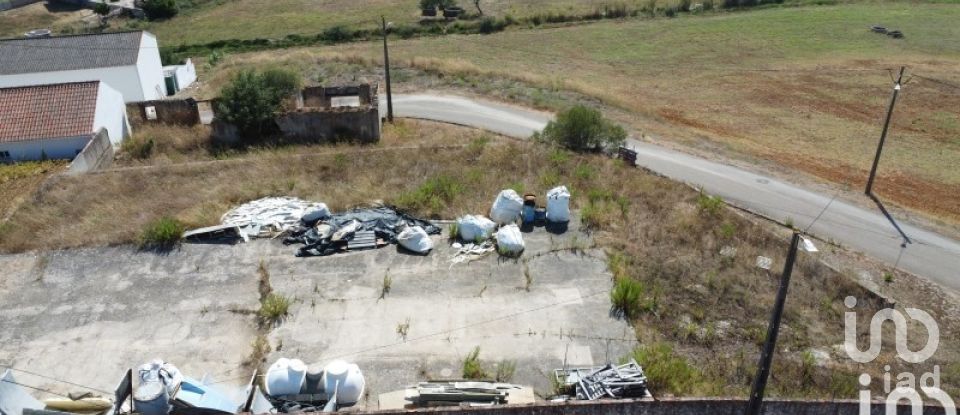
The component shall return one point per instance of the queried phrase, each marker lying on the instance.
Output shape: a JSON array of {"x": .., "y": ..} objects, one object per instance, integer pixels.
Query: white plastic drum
[
  {"x": 285, "y": 377},
  {"x": 345, "y": 379}
]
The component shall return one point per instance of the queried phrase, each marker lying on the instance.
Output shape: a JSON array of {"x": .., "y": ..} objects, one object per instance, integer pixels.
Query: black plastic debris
[{"x": 353, "y": 230}]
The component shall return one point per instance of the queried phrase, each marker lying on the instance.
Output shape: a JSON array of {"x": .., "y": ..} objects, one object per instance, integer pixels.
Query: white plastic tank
[
  {"x": 285, "y": 377},
  {"x": 345, "y": 379}
]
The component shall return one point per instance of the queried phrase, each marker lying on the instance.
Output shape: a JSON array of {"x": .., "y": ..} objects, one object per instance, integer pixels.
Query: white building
[
  {"x": 127, "y": 61},
  {"x": 58, "y": 120}
]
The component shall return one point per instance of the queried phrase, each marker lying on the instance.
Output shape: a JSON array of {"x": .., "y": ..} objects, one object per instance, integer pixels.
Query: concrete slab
[{"x": 87, "y": 315}]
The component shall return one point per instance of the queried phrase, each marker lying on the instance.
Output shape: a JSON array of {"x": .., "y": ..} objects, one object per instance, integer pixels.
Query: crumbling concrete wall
[
  {"x": 96, "y": 155},
  {"x": 168, "y": 111},
  {"x": 698, "y": 406},
  {"x": 320, "y": 97},
  {"x": 354, "y": 124}
]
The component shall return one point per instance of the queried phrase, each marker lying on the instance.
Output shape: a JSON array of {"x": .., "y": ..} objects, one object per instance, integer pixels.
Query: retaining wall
[
  {"x": 699, "y": 406},
  {"x": 168, "y": 111},
  {"x": 330, "y": 125},
  {"x": 96, "y": 155}
]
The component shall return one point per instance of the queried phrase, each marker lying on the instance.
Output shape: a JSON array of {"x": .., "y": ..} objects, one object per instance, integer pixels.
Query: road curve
[{"x": 931, "y": 255}]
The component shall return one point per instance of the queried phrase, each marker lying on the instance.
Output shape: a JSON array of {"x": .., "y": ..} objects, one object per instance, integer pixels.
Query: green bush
[
  {"x": 582, "y": 129},
  {"x": 666, "y": 372},
  {"x": 490, "y": 25},
  {"x": 709, "y": 205},
  {"x": 472, "y": 366},
  {"x": 252, "y": 99},
  {"x": 138, "y": 147},
  {"x": 160, "y": 9},
  {"x": 274, "y": 307},
  {"x": 101, "y": 8},
  {"x": 437, "y": 4},
  {"x": 162, "y": 234},
  {"x": 625, "y": 297}
]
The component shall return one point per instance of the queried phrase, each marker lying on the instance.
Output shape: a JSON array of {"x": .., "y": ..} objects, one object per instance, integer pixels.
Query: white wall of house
[
  {"x": 124, "y": 79},
  {"x": 62, "y": 148},
  {"x": 111, "y": 114},
  {"x": 149, "y": 69}
]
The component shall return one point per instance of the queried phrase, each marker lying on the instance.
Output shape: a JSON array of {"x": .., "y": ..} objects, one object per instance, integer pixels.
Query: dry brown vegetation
[
  {"x": 708, "y": 309},
  {"x": 19, "y": 181}
]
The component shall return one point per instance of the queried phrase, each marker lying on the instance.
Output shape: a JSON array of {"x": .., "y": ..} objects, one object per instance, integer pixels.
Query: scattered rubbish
[
  {"x": 627, "y": 155},
  {"x": 728, "y": 251},
  {"x": 292, "y": 387},
  {"x": 85, "y": 405},
  {"x": 623, "y": 381},
  {"x": 879, "y": 29},
  {"x": 896, "y": 34},
  {"x": 163, "y": 390},
  {"x": 272, "y": 216},
  {"x": 351, "y": 230},
  {"x": 506, "y": 208},
  {"x": 510, "y": 241},
  {"x": 558, "y": 204},
  {"x": 808, "y": 245},
  {"x": 470, "y": 393},
  {"x": 219, "y": 233},
  {"x": 14, "y": 399},
  {"x": 456, "y": 245},
  {"x": 472, "y": 251},
  {"x": 473, "y": 228},
  {"x": 764, "y": 262},
  {"x": 415, "y": 239}
]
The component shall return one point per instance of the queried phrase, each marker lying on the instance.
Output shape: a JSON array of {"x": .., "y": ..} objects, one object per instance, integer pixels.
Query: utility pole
[
  {"x": 386, "y": 69},
  {"x": 883, "y": 135},
  {"x": 769, "y": 347}
]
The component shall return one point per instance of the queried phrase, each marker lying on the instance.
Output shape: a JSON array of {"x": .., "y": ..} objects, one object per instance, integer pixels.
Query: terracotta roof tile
[{"x": 47, "y": 111}]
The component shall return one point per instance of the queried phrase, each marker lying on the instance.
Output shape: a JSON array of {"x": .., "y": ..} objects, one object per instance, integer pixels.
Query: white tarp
[
  {"x": 415, "y": 239},
  {"x": 510, "y": 240},
  {"x": 506, "y": 209},
  {"x": 473, "y": 228},
  {"x": 270, "y": 215},
  {"x": 558, "y": 204}
]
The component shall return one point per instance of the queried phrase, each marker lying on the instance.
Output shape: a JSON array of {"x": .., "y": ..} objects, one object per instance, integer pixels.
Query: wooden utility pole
[
  {"x": 386, "y": 69},
  {"x": 770, "y": 346}
]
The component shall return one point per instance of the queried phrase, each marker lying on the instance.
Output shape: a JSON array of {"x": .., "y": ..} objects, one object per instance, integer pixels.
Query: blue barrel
[{"x": 529, "y": 214}]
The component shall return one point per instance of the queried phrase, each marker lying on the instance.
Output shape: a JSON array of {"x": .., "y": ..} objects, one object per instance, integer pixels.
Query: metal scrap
[
  {"x": 270, "y": 216},
  {"x": 469, "y": 393},
  {"x": 361, "y": 228},
  {"x": 610, "y": 381}
]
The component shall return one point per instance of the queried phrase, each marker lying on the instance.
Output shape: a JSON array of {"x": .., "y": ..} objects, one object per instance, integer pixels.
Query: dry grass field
[
  {"x": 19, "y": 181},
  {"x": 15, "y": 22}
]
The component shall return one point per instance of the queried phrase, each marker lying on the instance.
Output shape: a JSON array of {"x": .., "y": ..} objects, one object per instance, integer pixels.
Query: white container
[
  {"x": 506, "y": 209},
  {"x": 558, "y": 204},
  {"x": 471, "y": 228},
  {"x": 285, "y": 377},
  {"x": 345, "y": 379},
  {"x": 510, "y": 240}
]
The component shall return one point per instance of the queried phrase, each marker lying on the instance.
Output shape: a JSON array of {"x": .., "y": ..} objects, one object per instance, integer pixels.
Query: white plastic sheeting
[
  {"x": 472, "y": 228},
  {"x": 415, "y": 239},
  {"x": 558, "y": 204},
  {"x": 510, "y": 241},
  {"x": 271, "y": 215},
  {"x": 506, "y": 209}
]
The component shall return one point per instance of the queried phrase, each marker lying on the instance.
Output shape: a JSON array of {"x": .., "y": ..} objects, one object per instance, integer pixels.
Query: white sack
[
  {"x": 415, "y": 239},
  {"x": 507, "y": 207},
  {"x": 472, "y": 227},
  {"x": 509, "y": 240},
  {"x": 558, "y": 204}
]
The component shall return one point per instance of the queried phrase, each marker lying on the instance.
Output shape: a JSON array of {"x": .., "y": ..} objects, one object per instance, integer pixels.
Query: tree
[
  {"x": 476, "y": 3},
  {"x": 252, "y": 99},
  {"x": 101, "y": 8},
  {"x": 582, "y": 129},
  {"x": 160, "y": 9}
]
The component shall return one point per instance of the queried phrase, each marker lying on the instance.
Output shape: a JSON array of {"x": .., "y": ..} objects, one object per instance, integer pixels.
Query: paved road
[{"x": 931, "y": 255}]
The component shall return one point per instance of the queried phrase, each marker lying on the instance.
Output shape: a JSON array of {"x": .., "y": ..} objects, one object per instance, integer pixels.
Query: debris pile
[
  {"x": 471, "y": 251},
  {"x": 271, "y": 216},
  {"x": 467, "y": 393},
  {"x": 624, "y": 381},
  {"x": 361, "y": 228}
]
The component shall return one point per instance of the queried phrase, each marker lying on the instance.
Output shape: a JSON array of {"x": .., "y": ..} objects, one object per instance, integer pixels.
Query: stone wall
[
  {"x": 168, "y": 111},
  {"x": 96, "y": 155},
  {"x": 319, "y": 96},
  {"x": 693, "y": 406},
  {"x": 355, "y": 124}
]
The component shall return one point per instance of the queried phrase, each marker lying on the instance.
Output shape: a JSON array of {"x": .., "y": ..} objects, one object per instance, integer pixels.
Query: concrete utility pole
[
  {"x": 769, "y": 347},
  {"x": 386, "y": 69},
  {"x": 883, "y": 135}
]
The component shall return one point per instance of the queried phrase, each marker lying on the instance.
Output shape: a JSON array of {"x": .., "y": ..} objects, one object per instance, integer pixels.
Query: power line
[
  {"x": 57, "y": 380},
  {"x": 36, "y": 388}
]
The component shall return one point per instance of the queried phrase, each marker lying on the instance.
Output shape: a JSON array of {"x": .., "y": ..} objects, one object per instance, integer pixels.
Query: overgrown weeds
[
  {"x": 472, "y": 366},
  {"x": 625, "y": 298},
  {"x": 162, "y": 234},
  {"x": 274, "y": 308}
]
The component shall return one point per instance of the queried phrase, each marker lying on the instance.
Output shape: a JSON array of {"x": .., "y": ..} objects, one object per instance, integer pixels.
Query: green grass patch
[
  {"x": 667, "y": 372},
  {"x": 625, "y": 297},
  {"x": 433, "y": 196},
  {"x": 472, "y": 366},
  {"x": 162, "y": 234},
  {"x": 274, "y": 308}
]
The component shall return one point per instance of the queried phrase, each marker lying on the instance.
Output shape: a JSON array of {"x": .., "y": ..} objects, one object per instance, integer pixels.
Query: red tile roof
[{"x": 47, "y": 111}]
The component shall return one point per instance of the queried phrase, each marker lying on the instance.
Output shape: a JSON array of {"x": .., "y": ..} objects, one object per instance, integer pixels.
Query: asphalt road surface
[{"x": 931, "y": 255}]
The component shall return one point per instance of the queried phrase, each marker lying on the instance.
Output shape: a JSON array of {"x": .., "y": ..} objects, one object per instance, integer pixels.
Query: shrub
[
  {"x": 138, "y": 147},
  {"x": 273, "y": 308},
  {"x": 666, "y": 372},
  {"x": 709, "y": 205},
  {"x": 161, "y": 234},
  {"x": 472, "y": 367},
  {"x": 160, "y": 9},
  {"x": 490, "y": 25},
  {"x": 337, "y": 34},
  {"x": 582, "y": 129},
  {"x": 101, "y": 8},
  {"x": 625, "y": 297},
  {"x": 251, "y": 99},
  {"x": 505, "y": 371}
]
